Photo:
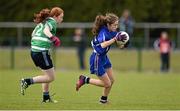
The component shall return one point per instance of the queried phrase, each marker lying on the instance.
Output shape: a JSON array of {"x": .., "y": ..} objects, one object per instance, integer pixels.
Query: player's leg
[
  {"x": 47, "y": 77},
  {"x": 109, "y": 72},
  {"x": 108, "y": 68},
  {"x": 45, "y": 86},
  {"x": 87, "y": 80},
  {"x": 106, "y": 91},
  {"x": 103, "y": 81},
  {"x": 45, "y": 89},
  {"x": 111, "y": 78},
  {"x": 42, "y": 60},
  {"x": 45, "y": 80},
  {"x": 97, "y": 66},
  {"x": 107, "y": 87},
  {"x": 46, "y": 96}
]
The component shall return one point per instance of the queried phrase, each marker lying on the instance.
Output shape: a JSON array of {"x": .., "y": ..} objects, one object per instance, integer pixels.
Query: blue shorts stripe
[{"x": 99, "y": 64}]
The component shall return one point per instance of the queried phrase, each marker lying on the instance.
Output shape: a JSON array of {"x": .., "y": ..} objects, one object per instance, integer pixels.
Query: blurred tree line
[{"x": 86, "y": 10}]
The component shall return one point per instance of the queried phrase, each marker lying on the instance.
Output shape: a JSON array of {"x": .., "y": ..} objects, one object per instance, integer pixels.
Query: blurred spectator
[
  {"x": 126, "y": 22},
  {"x": 164, "y": 45},
  {"x": 79, "y": 38}
]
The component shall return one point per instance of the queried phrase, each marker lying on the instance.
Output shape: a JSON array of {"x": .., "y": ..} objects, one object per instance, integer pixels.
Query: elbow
[
  {"x": 45, "y": 31},
  {"x": 103, "y": 45}
]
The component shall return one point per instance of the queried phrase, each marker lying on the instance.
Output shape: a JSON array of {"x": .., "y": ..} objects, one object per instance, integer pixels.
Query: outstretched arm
[
  {"x": 119, "y": 37},
  {"x": 107, "y": 43}
]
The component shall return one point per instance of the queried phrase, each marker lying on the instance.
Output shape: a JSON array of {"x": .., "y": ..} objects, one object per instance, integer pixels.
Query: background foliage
[{"x": 142, "y": 10}]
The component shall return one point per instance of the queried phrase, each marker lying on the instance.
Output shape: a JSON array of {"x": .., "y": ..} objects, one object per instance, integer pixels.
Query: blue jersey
[
  {"x": 103, "y": 35},
  {"x": 99, "y": 61}
]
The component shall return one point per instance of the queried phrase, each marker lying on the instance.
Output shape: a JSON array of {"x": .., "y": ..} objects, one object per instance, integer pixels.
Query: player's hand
[
  {"x": 120, "y": 37},
  {"x": 56, "y": 41},
  {"x": 123, "y": 46},
  {"x": 127, "y": 44}
]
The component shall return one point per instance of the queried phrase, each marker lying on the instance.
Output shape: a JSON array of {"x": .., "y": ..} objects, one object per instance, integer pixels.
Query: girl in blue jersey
[{"x": 105, "y": 34}]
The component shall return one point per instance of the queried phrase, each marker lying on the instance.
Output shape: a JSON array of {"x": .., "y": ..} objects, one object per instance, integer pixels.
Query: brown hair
[
  {"x": 101, "y": 20},
  {"x": 44, "y": 13}
]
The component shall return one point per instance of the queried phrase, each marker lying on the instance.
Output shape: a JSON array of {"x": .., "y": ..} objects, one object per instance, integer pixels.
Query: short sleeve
[
  {"x": 113, "y": 34},
  {"x": 101, "y": 37},
  {"x": 105, "y": 36},
  {"x": 51, "y": 24}
]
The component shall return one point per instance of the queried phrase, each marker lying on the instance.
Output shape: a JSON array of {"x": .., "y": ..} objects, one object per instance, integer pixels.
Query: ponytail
[
  {"x": 99, "y": 21},
  {"x": 42, "y": 15},
  {"x": 102, "y": 20}
]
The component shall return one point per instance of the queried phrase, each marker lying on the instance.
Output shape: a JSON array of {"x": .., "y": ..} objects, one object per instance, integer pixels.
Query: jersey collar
[{"x": 51, "y": 18}]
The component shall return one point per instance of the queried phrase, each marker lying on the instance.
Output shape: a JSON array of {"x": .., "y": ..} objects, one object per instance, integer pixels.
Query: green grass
[
  {"x": 66, "y": 59},
  {"x": 132, "y": 90},
  {"x": 146, "y": 90}
]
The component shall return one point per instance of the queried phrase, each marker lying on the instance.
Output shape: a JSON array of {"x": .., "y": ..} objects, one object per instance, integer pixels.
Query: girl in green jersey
[{"x": 43, "y": 37}]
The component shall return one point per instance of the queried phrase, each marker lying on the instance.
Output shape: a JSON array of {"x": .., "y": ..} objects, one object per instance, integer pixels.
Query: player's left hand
[
  {"x": 121, "y": 46},
  {"x": 56, "y": 41},
  {"x": 124, "y": 45},
  {"x": 120, "y": 37}
]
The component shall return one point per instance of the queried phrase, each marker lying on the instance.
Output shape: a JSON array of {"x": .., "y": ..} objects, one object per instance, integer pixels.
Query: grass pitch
[{"x": 132, "y": 90}]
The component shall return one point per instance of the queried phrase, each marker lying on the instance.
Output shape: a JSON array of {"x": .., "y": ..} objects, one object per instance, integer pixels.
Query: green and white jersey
[{"x": 40, "y": 41}]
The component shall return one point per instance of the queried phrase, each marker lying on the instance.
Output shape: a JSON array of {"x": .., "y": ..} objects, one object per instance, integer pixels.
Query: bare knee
[
  {"x": 107, "y": 85},
  {"x": 50, "y": 75},
  {"x": 50, "y": 78}
]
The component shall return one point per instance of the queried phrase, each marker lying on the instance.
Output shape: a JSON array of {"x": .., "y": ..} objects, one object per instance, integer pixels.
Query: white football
[{"x": 125, "y": 41}]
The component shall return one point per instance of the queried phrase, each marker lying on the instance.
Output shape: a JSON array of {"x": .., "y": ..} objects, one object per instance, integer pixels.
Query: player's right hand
[
  {"x": 56, "y": 41},
  {"x": 120, "y": 37}
]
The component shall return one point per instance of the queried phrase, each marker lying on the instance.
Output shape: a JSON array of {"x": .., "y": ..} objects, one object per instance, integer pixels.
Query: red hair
[{"x": 44, "y": 13}]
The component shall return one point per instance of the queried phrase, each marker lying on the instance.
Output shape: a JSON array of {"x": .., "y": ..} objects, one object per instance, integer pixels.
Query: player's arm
[
  {"x": 47, "y": 31},
  {"x": 104, "y": 41},
  {"x": 122, "y": 46},
  {"x": 118, "y": 37},
  {"x": 107, "y": 43},
  {"x": 52, "y": 37}
]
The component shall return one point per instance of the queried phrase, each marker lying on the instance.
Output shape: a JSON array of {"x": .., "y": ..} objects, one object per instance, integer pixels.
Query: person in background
[
  {"x": 164, "y": 45},
  {"x": 80, "y": 40},
  {"x": 126, "y": 23}
]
